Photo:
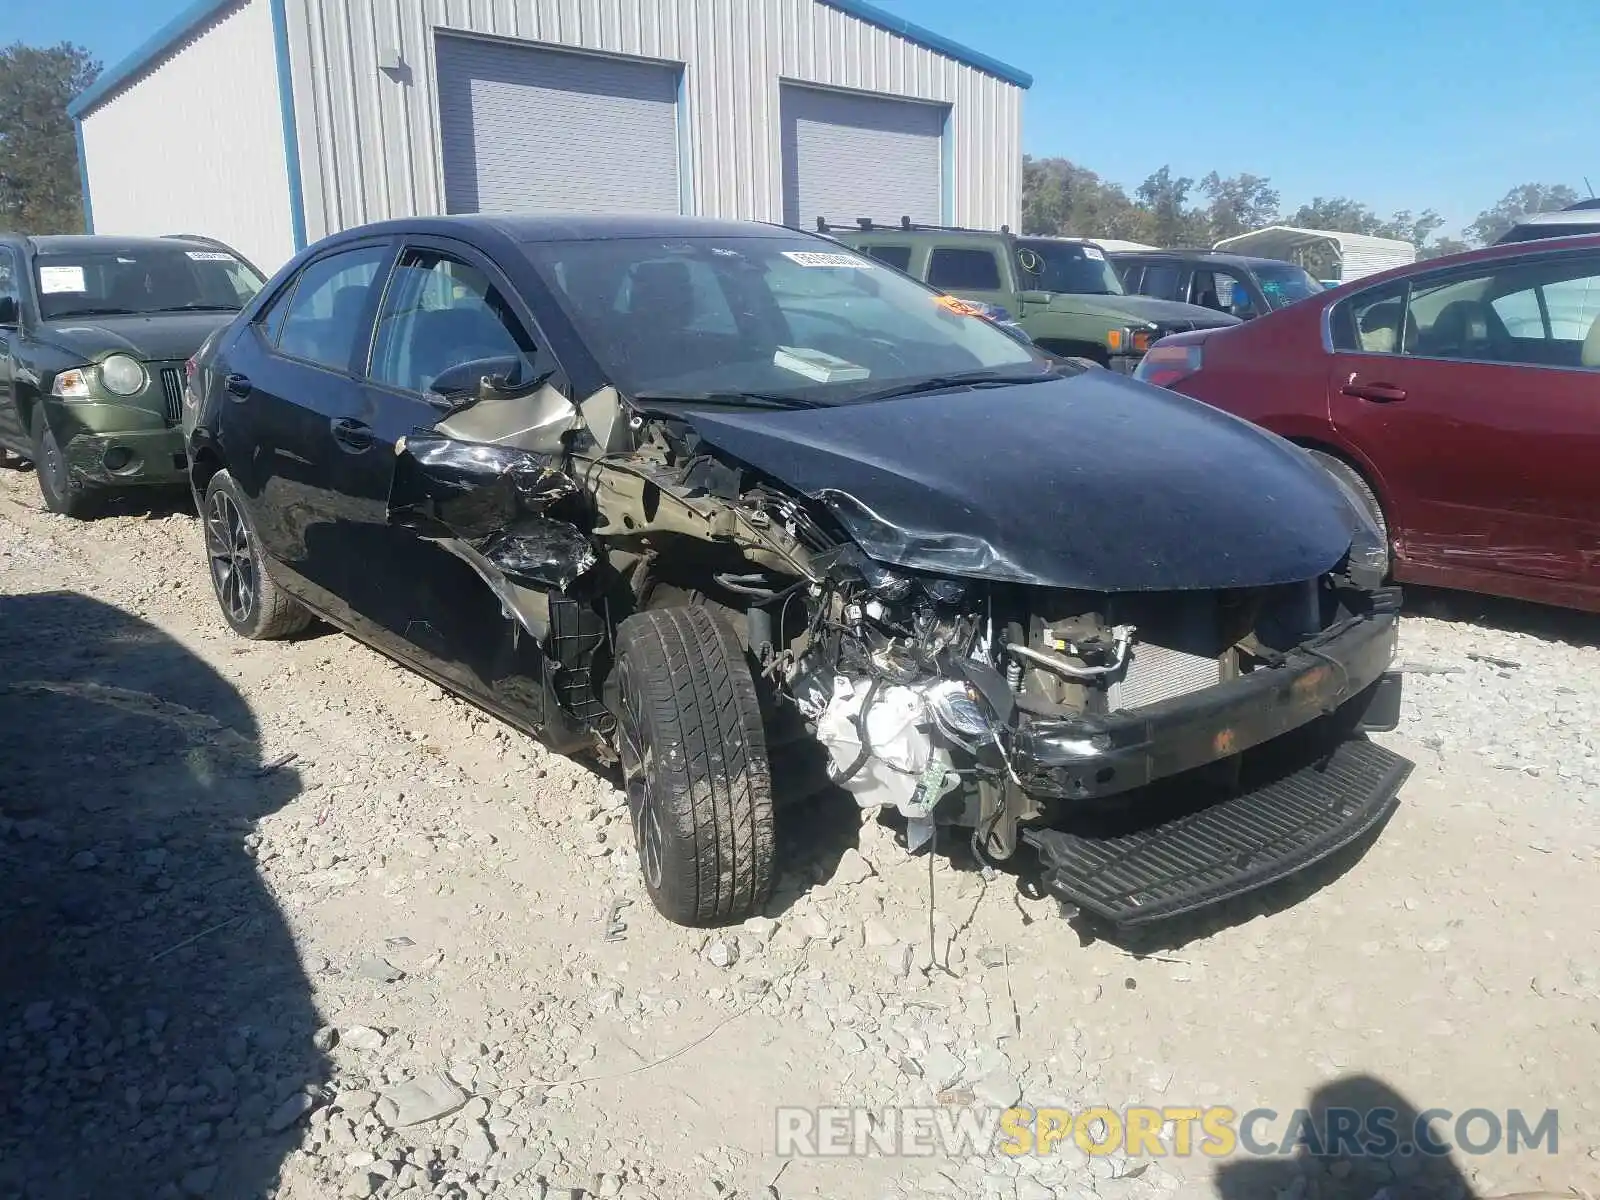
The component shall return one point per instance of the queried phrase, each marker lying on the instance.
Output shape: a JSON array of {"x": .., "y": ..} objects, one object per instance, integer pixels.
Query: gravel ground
[{"x": 286, "y": 920}]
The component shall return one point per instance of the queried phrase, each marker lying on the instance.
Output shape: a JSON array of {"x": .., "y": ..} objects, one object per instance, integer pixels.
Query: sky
[{"x": 1443, "y": 104}]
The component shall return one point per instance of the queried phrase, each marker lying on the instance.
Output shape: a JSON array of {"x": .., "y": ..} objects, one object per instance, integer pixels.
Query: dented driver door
[{"x": 444, "y": 325}]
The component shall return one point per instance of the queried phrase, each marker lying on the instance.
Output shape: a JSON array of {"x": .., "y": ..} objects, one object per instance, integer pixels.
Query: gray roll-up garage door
[
  {"x": 526, "y": 128},
  {"x": 847, "y": 155}
]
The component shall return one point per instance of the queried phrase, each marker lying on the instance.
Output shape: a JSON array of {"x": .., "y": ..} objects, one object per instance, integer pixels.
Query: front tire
[
  {"x": 1357, "y": 483},
  {"x": 60, "y": 492},
  {"x": 694, "y": 763},
  {"x": 251, "y": 603}
]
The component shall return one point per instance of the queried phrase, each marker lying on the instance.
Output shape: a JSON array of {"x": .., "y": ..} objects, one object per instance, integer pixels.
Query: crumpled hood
[
  {"x": 1146, "y": 308},
  {"x": 1093, "y": 481},
  {"x": 159, "y": 337}
]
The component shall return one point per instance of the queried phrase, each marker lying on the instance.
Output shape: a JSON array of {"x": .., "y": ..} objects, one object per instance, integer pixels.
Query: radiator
[{"x": 1157, "y": 673}]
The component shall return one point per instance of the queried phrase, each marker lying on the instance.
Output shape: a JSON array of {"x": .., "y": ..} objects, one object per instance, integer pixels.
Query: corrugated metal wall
[
  {"x": 151, "y": 151},
  {"x": 369, "y": 138}
]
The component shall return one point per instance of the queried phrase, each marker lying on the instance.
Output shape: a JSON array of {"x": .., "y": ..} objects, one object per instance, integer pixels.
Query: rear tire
[
  {"x": 251, "y": 603},
  {"x": 1357, "y": 482},
  {"x": 694, "y": 761},
  {"x": 60, "y": 492}
]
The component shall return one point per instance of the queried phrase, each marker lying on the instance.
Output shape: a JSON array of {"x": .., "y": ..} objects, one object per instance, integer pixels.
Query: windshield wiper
[
  {"x": 942, "y": 383},
  {"x": 199, "y": 308},
  {"x": 94, "y": 312},
  {"x": 729, "y": 400}
]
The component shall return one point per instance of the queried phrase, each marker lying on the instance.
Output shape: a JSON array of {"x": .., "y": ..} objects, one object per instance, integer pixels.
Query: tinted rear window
[
  {"x": 898, "y": 257},
  {"x": 975, "y": 269}
]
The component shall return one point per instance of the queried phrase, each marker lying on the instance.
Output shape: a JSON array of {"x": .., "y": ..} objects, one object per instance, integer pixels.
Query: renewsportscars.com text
[{"x": 1171, "y": 1131}]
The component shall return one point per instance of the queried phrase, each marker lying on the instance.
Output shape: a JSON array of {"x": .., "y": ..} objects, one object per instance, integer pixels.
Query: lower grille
[
  {"x": 172, "y": 395},
  {"x": 1272, "y": 828}
]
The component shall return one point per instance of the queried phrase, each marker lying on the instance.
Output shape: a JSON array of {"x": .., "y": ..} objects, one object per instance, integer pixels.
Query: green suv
[
  {"x": 94, "y": 336},
  {"x": 1063, "y": 292}
]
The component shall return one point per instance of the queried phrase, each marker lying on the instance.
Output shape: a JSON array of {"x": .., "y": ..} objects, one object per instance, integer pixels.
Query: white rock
[
  {"x": 940, "y": 1068},
  {"x": 362, "y": 1037},
  {"x": 419, "y": 1100},
  {"x": 852, "y": 869},
  {"x": 475, "y": 1144},
  {"x": 999, "y": 1088},
  {"x": 761, "y": 928},
  {"x": 877, "y": 934}
]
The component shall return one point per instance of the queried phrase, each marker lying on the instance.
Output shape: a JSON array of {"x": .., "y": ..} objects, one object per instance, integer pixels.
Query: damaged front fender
[{"x": 506, "y": 512}]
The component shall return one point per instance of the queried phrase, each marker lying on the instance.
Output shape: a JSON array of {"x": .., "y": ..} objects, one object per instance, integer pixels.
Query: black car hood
[
  {"x": 1092, "y": 481},
  {"x": 156, "y": 337}
]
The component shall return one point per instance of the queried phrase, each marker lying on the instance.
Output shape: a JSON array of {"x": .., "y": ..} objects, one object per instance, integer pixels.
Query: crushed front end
[{"x": 1158, "y": 751}]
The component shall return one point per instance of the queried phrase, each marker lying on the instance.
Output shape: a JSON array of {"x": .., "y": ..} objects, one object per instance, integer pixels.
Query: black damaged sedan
[{"x": 726, "y": 503}]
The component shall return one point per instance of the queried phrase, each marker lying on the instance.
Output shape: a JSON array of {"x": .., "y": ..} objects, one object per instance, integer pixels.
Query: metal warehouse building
[{"x": 268, "y": 123}]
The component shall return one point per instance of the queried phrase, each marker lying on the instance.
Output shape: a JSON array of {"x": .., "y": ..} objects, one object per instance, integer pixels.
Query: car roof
[
  {"x": 1216, "y": 256},
  {"x": 899, "y": 233},
  {"x": 1565, "y": 216},
  {"x": 574, "y": 227},
  {"x": 1487, "y": 254},
  {"x": 90, "y": 243}
]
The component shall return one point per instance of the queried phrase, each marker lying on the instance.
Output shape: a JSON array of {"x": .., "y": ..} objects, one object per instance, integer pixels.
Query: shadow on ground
[
  {"x": 1362, "y": 1139},
  {"x": 1505, "y": 616},
  {"x": 157, "y": 1024}
]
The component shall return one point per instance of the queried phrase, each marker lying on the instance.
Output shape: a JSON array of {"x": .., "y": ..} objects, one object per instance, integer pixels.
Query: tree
[
  {"x": 39, "y": 182},
  {"x": 1442, "y": 247},
  {"x": 1338, "y": 214},
  {"x": 1061, "y": 198},
  {"x": 1165, "y": 198},
  {"x": 1238, "y": 204},
  {"x": 1519, "y": 202},
  {"x": 1408, "y": 228}
]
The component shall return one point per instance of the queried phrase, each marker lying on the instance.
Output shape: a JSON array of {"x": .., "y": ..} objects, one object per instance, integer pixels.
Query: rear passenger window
[
  {"x": 964, "y": 270},
  {"x": 322, "y": 319},
  {"x": 271, "y": 318},
  {"x": 1369, "y": 323},
  {"x": 898, "y": 257}
]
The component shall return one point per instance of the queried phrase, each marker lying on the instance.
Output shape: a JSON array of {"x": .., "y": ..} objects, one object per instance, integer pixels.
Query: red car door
[{"x": 1468, "y": 393}]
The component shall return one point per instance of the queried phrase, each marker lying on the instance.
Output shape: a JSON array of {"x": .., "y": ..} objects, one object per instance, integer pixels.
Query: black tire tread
[
  {"x": 716, "y": 795},
  {"x": 1337, "y": 467},
  {"x": 80, "y": 503},
  {"x": 278, "y": 614}
]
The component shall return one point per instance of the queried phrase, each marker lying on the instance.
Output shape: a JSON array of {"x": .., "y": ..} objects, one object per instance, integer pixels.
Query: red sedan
[{"x": 1459, "y": 397}]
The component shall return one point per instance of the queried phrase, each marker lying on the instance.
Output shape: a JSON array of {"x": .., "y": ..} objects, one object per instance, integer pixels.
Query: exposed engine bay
[{"x": 961, "y": 697}]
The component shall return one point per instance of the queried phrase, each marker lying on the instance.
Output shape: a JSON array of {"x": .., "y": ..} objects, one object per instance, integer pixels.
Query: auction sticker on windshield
[
  {"x": 60, "y": 279},
  {"x": 1094, "y": 254},
  {"x": 209, "y": 256},
  {"x": 821, "y": 258}
]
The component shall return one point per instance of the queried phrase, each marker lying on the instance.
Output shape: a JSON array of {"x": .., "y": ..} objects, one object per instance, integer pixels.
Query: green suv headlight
[{"x": 122, "y": 376}]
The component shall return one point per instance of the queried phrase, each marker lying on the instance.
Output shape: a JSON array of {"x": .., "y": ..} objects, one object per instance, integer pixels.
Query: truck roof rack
[{"x": 906, "y": 225}]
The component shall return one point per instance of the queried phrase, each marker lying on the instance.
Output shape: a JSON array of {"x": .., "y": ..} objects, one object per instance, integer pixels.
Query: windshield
[
  {"x": 1070, "y": 267},
  {"x": 1284, "y": 283},
  {"x": 784, "y": 316},
  {"x": 143, "y": 280}
]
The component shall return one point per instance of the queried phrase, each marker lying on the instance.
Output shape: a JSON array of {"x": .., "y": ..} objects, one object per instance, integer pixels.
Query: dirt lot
[{"x": 230, "y": 973}]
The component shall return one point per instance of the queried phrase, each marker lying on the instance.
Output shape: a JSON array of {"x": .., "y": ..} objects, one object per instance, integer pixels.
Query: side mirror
[
  {"x": 10, "y": 314},
  {"x": 1035, "y": 297},
  {"x": 464, "y": 380}
]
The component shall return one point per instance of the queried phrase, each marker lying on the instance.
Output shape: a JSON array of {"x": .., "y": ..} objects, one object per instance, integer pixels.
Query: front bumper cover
[
  {"x": 146, "y": 457},
  {"x": 1086, "y": 757}
]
